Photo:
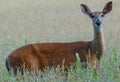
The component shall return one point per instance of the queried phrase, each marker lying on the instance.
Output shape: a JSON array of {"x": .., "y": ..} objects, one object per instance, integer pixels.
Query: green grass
[
  {"x": 109, "y": 72},
  {"x": 23, "y": 22}
]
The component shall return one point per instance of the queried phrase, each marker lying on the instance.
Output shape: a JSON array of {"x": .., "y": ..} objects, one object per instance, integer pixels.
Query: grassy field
[{"x": 30, "y": 21}]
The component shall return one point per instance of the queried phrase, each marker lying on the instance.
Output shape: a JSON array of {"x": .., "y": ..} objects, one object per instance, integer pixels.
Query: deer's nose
[{"x": 98, "y": 23}]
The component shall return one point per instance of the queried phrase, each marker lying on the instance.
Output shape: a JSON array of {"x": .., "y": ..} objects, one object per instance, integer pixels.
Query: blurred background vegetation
[{"x": 31, "y": 21}]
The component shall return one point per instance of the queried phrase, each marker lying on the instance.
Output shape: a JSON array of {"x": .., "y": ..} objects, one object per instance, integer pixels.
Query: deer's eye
[
  {"x": 102, "y": 15},
  {"x": 92, "y": 16}
]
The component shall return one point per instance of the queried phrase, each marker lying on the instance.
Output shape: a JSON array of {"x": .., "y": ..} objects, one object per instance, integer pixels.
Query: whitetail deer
[{"x": 40, "y": 55}]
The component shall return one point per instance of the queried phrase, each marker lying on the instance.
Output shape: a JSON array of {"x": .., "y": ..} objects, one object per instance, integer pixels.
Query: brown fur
[{"x": 38, "y": 56}]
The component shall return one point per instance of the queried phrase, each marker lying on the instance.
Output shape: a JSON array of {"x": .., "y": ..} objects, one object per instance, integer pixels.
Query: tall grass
[{"x": 109, "y": 72}]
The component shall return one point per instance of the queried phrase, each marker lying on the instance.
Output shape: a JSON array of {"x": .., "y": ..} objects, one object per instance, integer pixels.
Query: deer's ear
[
  {"x": 107, "y": 8},
  {"x": 85, "y": 9}
]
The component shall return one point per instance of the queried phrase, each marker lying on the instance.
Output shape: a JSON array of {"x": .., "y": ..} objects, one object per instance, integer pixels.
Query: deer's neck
[{"x": 98, "y": 44}]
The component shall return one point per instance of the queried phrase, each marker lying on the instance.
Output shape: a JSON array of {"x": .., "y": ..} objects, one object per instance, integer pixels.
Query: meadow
[{"x": 39, "y": 21}]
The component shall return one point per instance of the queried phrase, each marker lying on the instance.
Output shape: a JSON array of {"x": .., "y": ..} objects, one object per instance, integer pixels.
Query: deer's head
[{"x": 97, "y": 16}]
